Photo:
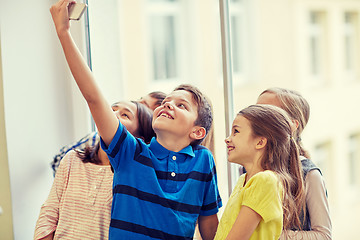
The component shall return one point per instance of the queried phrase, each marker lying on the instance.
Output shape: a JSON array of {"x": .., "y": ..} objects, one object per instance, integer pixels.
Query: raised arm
[{"x": 101, "y": 111}]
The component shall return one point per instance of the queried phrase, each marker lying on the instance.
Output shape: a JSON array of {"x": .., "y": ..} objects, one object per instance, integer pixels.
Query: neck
[
  {"x": 253, "y": 168},
  {"x": 171, "y": 143},
  {"x": 103, "y": 157}
]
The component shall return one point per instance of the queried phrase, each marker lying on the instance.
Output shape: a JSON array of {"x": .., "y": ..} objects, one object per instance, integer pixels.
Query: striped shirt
[
  {"x": 79, "y": 203},
  {"x": 159, "y": 194}
]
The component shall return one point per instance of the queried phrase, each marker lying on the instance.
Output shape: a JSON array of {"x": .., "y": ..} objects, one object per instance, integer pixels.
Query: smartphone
[{"x": 76, "y": 10}]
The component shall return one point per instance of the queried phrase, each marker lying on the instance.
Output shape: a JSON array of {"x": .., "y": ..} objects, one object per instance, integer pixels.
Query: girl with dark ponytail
[{"x": 267, "y": 197}]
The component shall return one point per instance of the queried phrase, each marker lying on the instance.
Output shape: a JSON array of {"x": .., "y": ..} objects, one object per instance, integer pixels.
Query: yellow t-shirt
[{"x": 263, "y": 194}]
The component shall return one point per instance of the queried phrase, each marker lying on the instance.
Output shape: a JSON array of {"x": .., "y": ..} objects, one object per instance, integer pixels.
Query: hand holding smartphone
[{"x": 76, "y": 10}]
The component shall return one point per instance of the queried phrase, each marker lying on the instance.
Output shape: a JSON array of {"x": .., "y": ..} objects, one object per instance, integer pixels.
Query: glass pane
[
  {"x": 164, "y": 50},
  {"x": 314, "y": 54}
]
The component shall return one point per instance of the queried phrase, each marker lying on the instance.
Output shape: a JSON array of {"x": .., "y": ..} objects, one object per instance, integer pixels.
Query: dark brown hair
[
  {"x": 204, "y": 110},
  {"x": 281, "y": 156}
]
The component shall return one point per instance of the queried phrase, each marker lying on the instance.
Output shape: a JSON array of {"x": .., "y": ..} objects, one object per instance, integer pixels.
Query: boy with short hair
[{"x": 161, "y": 189}]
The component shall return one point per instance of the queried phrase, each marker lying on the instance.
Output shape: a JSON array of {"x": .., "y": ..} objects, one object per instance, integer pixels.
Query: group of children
[{"x": 159, "y": 182}]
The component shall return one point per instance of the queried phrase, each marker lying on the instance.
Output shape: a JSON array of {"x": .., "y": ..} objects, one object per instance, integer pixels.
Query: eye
[
  {"x": 180, "y": 105},
  {"x": 235, "y": 131},
  {"x": 125, "y": 115}
]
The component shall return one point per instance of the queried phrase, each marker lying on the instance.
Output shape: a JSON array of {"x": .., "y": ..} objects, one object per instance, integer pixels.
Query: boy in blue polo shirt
[{"x": 162, "y": 189}]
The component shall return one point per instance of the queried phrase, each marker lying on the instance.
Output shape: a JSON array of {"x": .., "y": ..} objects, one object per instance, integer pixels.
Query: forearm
[
  {"x": 47, "y": 223},
  {"x": 208, "y": 226},
  {"x": 48, "y": 237}
]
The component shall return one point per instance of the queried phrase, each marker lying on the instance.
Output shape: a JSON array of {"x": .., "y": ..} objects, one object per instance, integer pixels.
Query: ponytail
[{"x": 294, "y": 207}]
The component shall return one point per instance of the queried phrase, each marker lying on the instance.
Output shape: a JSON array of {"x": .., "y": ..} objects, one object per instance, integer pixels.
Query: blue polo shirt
[{"x": 157, "y": 193}]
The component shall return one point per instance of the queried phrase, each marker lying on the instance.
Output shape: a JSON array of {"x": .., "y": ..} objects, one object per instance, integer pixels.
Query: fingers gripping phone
[{"x": 76, "y": 10}]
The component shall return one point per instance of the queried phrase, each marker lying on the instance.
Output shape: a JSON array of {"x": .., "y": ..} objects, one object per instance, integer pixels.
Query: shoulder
[
  {"x": 266, "y": 176},
  {"x": 314, "y": 179},
  {"x": 265, "y": 180},
  {"x": 201, "y": 151},
  {"x": 204, "y": 156},
  {"x": 308, "y": 166},
  {"x": 71, "y": 158}
]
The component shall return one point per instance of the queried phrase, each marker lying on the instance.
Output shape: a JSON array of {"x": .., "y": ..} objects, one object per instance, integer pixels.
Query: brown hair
[
  {"x": 204, "y": 110},
  {"x": 298, "y": 109},
  {"x": 159, "y": 96},
  {"x": 281, "y": 156}
]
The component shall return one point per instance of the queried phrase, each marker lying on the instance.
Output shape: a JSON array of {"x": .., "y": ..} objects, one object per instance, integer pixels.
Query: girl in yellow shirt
[{"x": 265, "y": 199}]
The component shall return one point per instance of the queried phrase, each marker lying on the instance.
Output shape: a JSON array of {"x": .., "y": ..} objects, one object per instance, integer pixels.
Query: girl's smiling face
[
  {"x": 126, "y": 112},
  {"x": 241, "y": 144}
]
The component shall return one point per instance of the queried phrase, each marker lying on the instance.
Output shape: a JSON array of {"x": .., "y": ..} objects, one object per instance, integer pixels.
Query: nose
[
  {"x": 168, "y": 105},
  {"x": 227, "y": 140}
]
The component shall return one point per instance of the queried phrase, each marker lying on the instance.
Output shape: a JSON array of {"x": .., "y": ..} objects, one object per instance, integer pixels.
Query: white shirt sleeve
[{"x": 318, "y": 207}]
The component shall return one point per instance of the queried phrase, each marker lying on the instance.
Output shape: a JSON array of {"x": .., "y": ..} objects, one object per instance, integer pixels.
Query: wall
[
  {"x": 6, "y": 226},
  {"x": 41, "y": 105}
]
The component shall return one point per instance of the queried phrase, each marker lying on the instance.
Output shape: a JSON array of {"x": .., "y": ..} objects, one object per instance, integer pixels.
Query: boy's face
[{"x": 176, "y": 115}]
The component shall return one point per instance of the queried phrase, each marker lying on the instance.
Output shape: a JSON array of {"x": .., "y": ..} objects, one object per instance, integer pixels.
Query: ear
[
  {"x": 197, "y": 133},
  {"x": 294, "y": 125},
  {"x": 261, "y": 143}
]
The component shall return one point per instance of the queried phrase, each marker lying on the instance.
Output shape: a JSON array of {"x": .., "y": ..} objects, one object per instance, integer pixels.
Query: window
[
  {"x": 322, "y": 157},
  {"x": 164, "y": 28},
  {"x": 354, "y": 160},
  {"x": 237, "y": 34},
  {"x": 350, "y": 45},
  {"x": 317, "y": 45}
]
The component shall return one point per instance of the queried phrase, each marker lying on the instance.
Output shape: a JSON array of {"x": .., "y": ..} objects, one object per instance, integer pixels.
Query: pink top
[{"x": 79, "y": 203}]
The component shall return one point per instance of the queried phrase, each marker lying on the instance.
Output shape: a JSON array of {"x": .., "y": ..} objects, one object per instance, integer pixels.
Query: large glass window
[{"x": 140, "y": 46}]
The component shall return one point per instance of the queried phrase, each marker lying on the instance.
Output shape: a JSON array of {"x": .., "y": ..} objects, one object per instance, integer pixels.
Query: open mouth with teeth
[
  {"x": 165, "y": 114},
  {"x": 230, "y": 148}
]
